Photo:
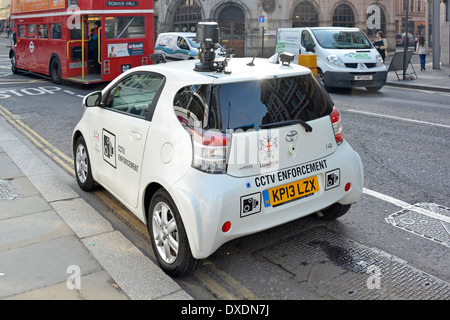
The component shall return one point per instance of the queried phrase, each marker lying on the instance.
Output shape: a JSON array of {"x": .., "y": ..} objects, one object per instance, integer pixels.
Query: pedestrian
[
  {"x": 381, "y": 45},
  {"x": 422, "y": 50}
]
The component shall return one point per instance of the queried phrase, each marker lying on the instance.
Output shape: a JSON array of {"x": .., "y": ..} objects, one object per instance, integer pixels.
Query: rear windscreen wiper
[{"x": 307, "y": 127}]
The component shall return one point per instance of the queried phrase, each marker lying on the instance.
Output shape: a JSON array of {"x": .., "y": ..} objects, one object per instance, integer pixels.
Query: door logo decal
[{"x": 109, "y": 148}]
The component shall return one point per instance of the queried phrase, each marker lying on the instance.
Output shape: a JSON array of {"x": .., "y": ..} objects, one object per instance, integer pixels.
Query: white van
[
  {"x": 180, "y": 46},
  {"x": 345, "y": 56}
]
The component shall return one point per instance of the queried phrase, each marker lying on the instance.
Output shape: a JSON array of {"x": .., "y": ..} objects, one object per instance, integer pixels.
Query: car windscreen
[
  {"x": 252, "y": 104},
  {"x": 192, "y": 42},
  {"x": 339, "y": 39}
]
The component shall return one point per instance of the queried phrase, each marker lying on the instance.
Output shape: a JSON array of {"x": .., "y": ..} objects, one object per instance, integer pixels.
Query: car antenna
[{"x": 251, "y": 64}]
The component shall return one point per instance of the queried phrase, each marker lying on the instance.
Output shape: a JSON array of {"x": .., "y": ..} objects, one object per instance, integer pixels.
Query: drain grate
[
  {"x": 426, "y": 226},
  {"x": 333, "y": 266},
  {"x": 6, "y": 191}
]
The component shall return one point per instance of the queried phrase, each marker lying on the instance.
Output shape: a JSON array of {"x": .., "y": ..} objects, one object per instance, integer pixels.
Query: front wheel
[
  {"x": 83, "y": 170},
  {"x": 168, "y": 236},
  {"x": 373, "y": 89}
]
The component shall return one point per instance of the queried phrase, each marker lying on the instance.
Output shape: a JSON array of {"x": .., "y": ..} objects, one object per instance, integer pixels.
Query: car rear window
[{"x": 251, "y": 104}]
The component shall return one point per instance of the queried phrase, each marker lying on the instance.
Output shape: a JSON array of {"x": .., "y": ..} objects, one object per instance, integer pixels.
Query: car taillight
[
  {"x": 337, "y": 125},
  {"x": 210, "y": 150}
]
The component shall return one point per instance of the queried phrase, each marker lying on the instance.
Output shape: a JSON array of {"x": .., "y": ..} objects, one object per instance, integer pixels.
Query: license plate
[
  {"x": 363, "y": 77},
  {"x": 291, "y": 191}
]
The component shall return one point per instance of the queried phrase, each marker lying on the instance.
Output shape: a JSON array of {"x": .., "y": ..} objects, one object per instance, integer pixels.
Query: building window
[
  {"x": 305, "y": 15},
  {"x": 343, "y": 16},
  {"x": 187, "y": 15}
]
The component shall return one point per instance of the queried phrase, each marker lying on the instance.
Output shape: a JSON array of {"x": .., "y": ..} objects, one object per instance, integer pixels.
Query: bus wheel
[
  {"x": 55, "y": 70},
  {"x": 13, "y": 63}
]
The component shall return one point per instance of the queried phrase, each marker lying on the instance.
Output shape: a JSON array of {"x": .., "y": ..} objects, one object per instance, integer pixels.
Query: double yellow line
[
  {"x": 59, "y": 157},
  {"x": 68, "y": 164}
]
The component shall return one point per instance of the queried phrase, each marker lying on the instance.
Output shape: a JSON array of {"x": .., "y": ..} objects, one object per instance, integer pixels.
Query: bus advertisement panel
[{"x": 85, "y": 41}]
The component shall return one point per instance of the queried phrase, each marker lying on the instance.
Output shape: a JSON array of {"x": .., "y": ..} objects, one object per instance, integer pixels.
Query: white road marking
[
  {"x": 397, "y": 118},
  {"x": 406, "y": 206}
]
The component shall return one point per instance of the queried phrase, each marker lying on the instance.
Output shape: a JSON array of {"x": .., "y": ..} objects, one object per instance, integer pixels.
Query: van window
[
  {"x": 250, "y": 104},
  {"x": 182, "y": 43},
  {"x": 340, "y": 39},
  {"x": 306, "y": 38},
  {"x": 192, "y": 42}
]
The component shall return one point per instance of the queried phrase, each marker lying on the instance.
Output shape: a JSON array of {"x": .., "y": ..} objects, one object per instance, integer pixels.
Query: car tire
[
  {"x": 373, "y": 89},
  {"x": 55, "y": 70},
  {"x": 168, "y": 236},
  {"x": 83, "y": 171},
  {"x": 334, "y": 211},
  {"x": 321, "y": 78}
]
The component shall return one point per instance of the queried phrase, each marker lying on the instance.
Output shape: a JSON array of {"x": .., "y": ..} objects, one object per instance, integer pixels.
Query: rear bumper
[{"x": 207, "y": 201}]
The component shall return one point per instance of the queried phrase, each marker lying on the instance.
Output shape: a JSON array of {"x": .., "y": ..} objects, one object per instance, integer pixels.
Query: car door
[{"x": 122, "y": 127}]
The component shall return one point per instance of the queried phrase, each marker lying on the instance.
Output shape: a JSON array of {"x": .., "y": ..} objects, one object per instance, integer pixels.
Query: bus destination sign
[{"x": 122, "y": 3}]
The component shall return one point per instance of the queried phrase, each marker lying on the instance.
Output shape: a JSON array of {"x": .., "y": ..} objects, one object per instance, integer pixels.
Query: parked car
[
  {"x": 412, "y": 41},
  {"x": 206, "y": 151}
]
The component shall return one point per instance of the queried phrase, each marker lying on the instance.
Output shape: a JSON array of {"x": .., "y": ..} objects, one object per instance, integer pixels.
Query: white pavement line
[
  {"x": 397, "y": 118},
  {"x": 406, "y": 206}
]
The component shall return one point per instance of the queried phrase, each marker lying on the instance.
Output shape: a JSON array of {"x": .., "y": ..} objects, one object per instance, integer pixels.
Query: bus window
[
  {"x": 75, "y": 33},
  {"x": 32, "y": 31},
  {"x": 21, "y": 30},
  {"x": 43, "y": 31},
  {"x": 124, "y": 27},
  {"x": 56, "y": 30}
]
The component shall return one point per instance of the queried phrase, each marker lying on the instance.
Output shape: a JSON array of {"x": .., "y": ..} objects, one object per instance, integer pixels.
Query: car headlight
[
  {"x": 379, "y": 60},
  {"x": 336, "y": 60}
]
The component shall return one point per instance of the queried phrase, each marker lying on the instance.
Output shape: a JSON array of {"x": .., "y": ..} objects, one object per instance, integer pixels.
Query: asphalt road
[{"x": 403, "y": 138}]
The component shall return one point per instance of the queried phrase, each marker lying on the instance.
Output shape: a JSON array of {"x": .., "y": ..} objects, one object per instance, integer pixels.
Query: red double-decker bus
[{"x": 85, "y": 41}]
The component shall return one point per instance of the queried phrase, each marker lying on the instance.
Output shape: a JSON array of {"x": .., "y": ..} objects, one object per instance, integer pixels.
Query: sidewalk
[
  {"x": 431, "y": 79},
  {"x": 54, "y": 245}
]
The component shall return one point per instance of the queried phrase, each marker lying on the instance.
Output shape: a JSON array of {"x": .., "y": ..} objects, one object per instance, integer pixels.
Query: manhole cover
[
  {"x": 6, "y": 191},
  {"x": 331, "y": 265},
  {"x": 427, "y": 226}
]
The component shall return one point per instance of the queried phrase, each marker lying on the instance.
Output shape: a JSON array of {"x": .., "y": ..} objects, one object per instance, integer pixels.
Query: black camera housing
[{"x": 208, "y": 37}]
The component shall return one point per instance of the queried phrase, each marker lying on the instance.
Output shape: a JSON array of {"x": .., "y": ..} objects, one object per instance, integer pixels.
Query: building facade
[
  {"x": 5, "y": 13},
  {"x": 249, "y": 26}
]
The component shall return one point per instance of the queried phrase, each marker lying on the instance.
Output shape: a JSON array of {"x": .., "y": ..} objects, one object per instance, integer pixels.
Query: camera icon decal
[
  {"x": 109, "y": 148},
  {"x": 332, "y": 179},
  {"x": 250, "y": 204}
]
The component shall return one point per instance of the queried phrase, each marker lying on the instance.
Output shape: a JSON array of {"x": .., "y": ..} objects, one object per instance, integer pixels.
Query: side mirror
[
  {"x": 310, "y": 47},
  {"x": 93, "y": 99}
]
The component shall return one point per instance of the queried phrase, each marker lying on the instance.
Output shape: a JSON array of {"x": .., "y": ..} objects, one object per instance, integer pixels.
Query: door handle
[{"x": 135, "y": 135}]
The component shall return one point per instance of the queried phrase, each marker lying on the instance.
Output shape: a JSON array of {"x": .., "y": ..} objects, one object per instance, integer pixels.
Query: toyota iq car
[{"x": 206, "y": 151}]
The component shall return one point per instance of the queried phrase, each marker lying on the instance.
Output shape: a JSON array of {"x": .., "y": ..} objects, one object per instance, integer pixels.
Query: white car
[
  {"x": 205, "y": 156},
  {"x": 181, "y": 46}
]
